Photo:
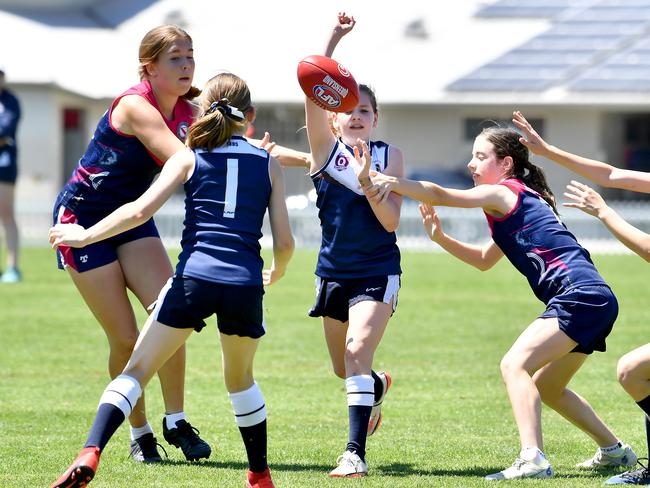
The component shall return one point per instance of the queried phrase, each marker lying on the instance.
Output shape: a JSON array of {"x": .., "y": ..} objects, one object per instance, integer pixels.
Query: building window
[{"x": 474, "y": 125}]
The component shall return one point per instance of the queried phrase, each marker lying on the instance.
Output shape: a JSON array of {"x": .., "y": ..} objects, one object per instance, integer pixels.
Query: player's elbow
[
  {"x": 484, "y": 265},
  {"x": 284, "y": 245}
]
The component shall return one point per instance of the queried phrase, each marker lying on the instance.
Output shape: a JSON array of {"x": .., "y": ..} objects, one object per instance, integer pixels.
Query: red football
[{"x": 328, "y": 84}]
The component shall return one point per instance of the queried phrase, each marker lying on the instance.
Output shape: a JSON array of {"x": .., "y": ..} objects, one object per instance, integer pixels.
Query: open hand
[
  {"x": 531, "y": 139},
  {"x": 584, "y": 198},
  {"x": 431, "y": 221}
]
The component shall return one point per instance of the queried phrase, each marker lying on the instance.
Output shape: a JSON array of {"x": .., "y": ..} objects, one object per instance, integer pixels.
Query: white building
[{"x": 580, "y": 68}]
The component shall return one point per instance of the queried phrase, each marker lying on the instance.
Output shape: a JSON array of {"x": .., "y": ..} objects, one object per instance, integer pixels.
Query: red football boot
[
  {"x": 81, "y": 471},
  {"x": 259, "y": 480}
]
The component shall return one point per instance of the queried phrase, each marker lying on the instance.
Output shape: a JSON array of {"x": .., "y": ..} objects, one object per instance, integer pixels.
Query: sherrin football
[{"x": 328, "y": 84}]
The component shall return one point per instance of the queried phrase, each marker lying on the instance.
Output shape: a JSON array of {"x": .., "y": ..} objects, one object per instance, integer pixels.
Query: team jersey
[
  {"x": 539, "y": 245},
  {"x": 117, "y": 168},
  {"x": 9, "y": 117},
  {"x": 354, "y": 243},
  {"x": 226, "y": 199}
]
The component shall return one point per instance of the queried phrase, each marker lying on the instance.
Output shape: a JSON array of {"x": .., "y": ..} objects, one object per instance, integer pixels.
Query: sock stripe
[
  {"x": 123, "y": 396},
  {"x": 251, "y": 412},
  {"x": 361, "y": 392}
]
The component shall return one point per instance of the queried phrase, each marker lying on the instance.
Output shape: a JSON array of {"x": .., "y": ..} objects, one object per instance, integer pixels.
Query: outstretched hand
[
  {"x": 584, "y": 198},
  {"x": 531, "y": 139},
  {"x": 345, "y": 23},
  {"x": 431, "y": 221},
  {"x": 72, "y": 235},
  {"x": 266, "y": 143}
]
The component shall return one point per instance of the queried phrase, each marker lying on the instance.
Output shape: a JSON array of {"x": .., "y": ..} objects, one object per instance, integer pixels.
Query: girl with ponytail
[
  {"x": 229, "y": 186},
  {"x": 580, "y": 307}
]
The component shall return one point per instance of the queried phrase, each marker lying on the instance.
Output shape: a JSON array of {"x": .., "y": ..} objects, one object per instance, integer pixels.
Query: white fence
[{"x": 465, "y": 224}]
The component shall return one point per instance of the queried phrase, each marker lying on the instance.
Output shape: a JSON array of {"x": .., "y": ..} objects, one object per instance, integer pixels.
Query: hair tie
[{"x": 226, "y": 109}]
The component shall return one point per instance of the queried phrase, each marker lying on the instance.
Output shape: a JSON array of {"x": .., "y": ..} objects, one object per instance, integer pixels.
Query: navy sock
[
  {"x": 647, "y": 433},
  {"x": 359, "y": 418},
  {"x": 254, "y": 438},
  {"x": 107, "y": 420},
  {"x": 379, "y": 386}
]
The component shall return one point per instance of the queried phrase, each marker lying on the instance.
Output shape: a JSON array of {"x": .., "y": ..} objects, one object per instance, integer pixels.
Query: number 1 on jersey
[{"x": 230, "y": 199}]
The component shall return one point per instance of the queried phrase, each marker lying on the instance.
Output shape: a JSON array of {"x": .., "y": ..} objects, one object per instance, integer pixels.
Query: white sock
[
  {"x": 172, "y": 418},
  {"x": 613, "y": 449},
  {"x": 137, "y": 432},
  {"x": 248, "y": 406},
  {"x": 360, "y": 390},
  {"x": 532, "y": 454}
]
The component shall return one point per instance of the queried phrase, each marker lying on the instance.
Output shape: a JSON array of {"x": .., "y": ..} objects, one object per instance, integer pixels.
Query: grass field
[{"x": 447, "y": 421}]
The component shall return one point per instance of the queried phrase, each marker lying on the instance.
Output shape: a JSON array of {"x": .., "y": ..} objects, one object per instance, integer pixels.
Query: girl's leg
[
  {"x": 146, "y": 270},
  {"x": 104, "y": 291},
  {"x": 335, "y": 336},
  {"x": 155, "y": 345},
  {"x": 634, "y": 373},
  {"x": 541, "y": 343},
  {"x": 8, "y": 218},
  {"x": 247, "y": 401},
  {"x": 368, "y": 321},
  {"x": 551, "y": 381}
]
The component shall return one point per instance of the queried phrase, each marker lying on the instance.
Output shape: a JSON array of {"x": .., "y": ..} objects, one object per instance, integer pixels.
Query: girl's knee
[{"x": 625, "y": 370}]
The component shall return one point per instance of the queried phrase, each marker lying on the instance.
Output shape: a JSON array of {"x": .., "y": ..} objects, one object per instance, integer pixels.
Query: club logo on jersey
[
  {"x": 344, "y": 71},
  {"x": 328, "y": 97},
  {"x": 181, "y": 130},
  {"x": 341, "y": 162}
]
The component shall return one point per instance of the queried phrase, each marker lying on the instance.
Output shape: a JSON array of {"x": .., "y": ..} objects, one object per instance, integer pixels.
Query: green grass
[{"x": 447, "y": 421}]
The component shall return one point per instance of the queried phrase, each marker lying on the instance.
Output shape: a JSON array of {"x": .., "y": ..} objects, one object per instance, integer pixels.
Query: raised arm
[
  {"x": 481, "y": 257},
  {"x": 589, "y": 201},
  {"x": 321, "y": 138},
  {"x": 175, "y": 172},
  {"x": 283, "y": 243},
  {"x": 601, "y": 173}
]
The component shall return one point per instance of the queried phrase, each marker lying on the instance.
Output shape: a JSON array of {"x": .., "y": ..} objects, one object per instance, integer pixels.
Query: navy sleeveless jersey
[
  {"x": 226, "y": 199},
  {"x": 538, "y": 244},
  {"x": 354, "y": 243},
  {"x": 117, "y": 168}
]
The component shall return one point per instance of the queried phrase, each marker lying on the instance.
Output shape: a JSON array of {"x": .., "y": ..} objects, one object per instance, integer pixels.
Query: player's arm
[
  {"x": 175, "y": 172},
  {"x": 387, "y": 211},
  {"x": 481, "y": 257},
  {"x": 589, "y": 201},
  {"x": 283, "y": 242},
  {"x": 135, "y": 116},
  {"x": 286, "y": 156},
  {"x": 321, "y": 138},
  {"x": 601, "y": 173}
]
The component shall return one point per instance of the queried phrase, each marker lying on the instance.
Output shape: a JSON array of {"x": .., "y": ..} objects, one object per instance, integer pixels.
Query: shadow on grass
[{"x": 390, "y": 470}]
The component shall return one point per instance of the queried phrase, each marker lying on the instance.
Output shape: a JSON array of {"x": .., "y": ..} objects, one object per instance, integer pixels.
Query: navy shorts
[
  {"x": 8, "y": 165},
  {"x": 586, "y": 314},
  {"x": 185, "y": 302},
  {"x": 100, "y": 253},
  {"x": 335, "y": 297}
]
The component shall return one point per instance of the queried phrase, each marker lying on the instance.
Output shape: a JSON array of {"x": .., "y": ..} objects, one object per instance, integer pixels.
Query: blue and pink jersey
[
  {"x": 117, "y": 168},
  {"x": 539, "y": 245}
]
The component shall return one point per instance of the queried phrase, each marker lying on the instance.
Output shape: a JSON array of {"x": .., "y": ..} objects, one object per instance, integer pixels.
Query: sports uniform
[
  {"x": 358, "y": 259},
  {"x": 9, "y": 117},
  {"x": 115, "y": 169},
  {"x": 220, "y": 267},
  {"x": 559, "y": 270}
]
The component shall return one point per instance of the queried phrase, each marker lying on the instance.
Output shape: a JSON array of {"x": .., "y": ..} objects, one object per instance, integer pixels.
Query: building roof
[{"x": 535, "y": 51}]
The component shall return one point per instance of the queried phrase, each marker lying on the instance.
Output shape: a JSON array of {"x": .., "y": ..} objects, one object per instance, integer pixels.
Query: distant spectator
[{"x": 9, "y": 117}]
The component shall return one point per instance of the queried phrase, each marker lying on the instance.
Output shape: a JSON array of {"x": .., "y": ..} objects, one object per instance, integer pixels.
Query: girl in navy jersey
[
  {"x": 580, "y": 306},
  {"x": 358, "y": 269},
  {"x": 634, "y": 367},
  {"x": 141, "y": 129},
  {"x": 229, "y": 184}
]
